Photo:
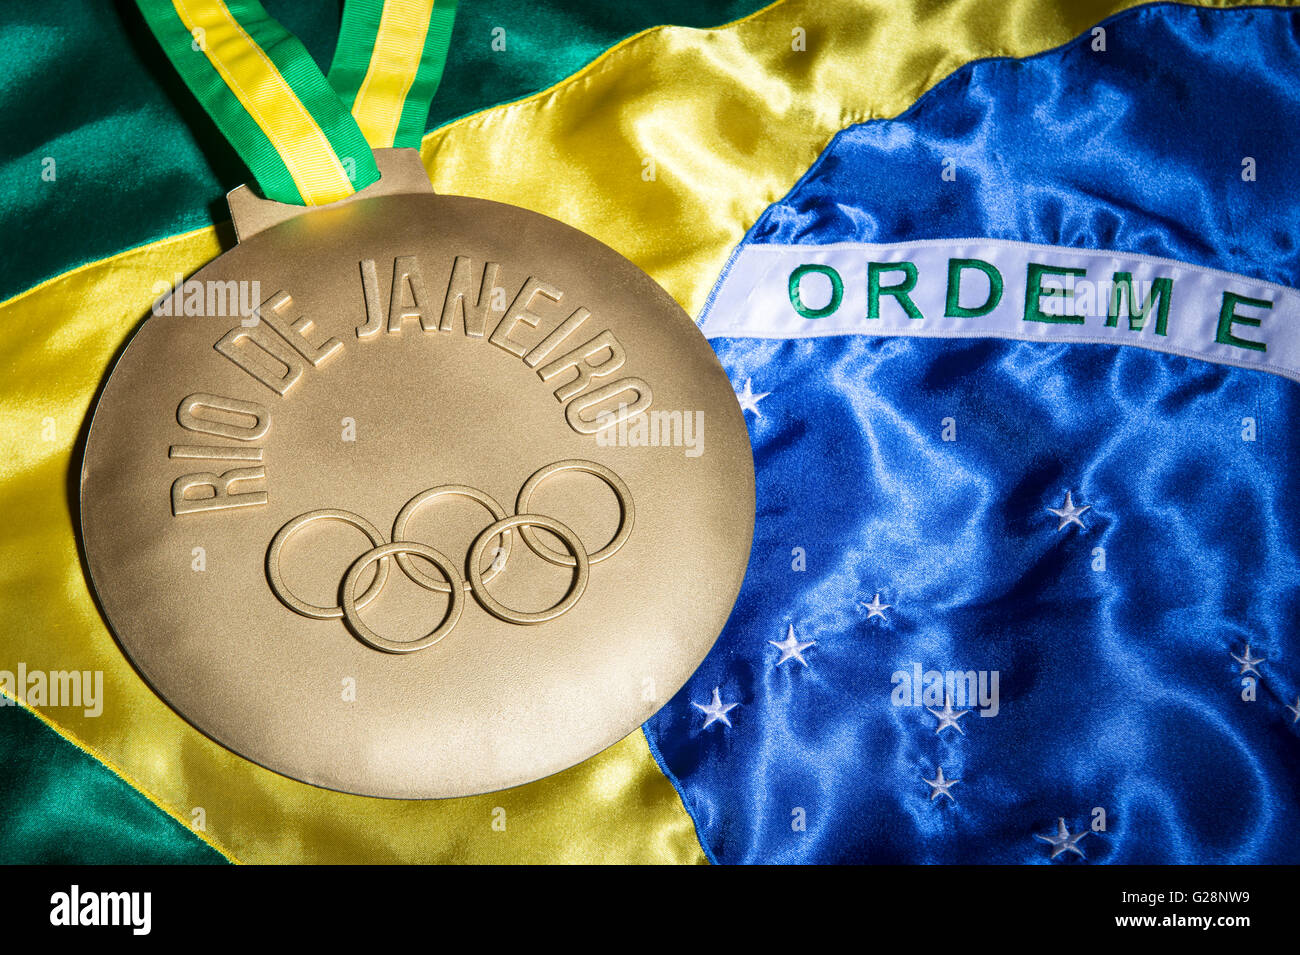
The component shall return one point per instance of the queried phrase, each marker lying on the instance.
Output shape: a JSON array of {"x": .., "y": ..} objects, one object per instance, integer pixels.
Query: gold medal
[
  {"x": 405, "y": 495},
  {"x": 463, "y": 500}
]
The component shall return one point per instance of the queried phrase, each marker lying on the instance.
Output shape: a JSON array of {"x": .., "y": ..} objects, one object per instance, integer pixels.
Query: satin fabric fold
[
  {"x": 60, "y": 806},
  {"x": 934, "y": 473},
  {"x": 731, "y": 117},
  {"x": 137, "y": 160}
]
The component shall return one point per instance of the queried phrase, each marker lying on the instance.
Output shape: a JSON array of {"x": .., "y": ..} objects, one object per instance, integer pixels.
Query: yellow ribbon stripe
[
  {"x": 394, "y": 63},
  {"x": 264, "y": 92},
  {"x": 731, "y": 118}
]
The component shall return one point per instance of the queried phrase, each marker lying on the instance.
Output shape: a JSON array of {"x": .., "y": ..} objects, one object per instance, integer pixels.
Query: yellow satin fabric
[
  {"x": 730, "y": 118},
  {"x": 726, "y": 120}
]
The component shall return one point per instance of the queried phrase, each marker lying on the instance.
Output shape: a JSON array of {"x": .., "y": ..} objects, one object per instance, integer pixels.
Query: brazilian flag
[{"x": 1025, "y": 579}]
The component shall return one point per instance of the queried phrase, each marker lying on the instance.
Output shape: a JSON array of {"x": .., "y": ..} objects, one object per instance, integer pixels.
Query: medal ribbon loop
[
  {"x": 307, "y": 139},
  {"x": 388, "y": 64}
]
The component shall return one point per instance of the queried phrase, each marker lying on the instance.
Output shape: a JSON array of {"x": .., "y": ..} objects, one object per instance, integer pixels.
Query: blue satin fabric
[{"x": 1117, "y": 688}]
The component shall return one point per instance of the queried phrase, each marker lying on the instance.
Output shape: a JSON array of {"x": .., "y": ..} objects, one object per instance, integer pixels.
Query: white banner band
[{"x": 957, "y": 288}]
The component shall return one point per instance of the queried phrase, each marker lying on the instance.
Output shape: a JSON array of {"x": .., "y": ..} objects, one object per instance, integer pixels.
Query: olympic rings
[
  {"x": 590, "y": 467},
  {"x": 456, "y": 584},
  {"x": 381, "y": 553},
  {"x": 498, "y": 609},
  {"x": 458, "y": 490},
  {"x": 277, "y": 544}
]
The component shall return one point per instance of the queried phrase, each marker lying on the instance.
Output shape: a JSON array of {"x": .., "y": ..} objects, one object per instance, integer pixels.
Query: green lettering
[
  {"x": 954, "y": 307},
  {"x": 837, "y": 291},
  {"x": 1034, "y": 293},
  {"x": 1162, "y": 290},
  {"x": 1228, "y": 316},
  {"x": 899, "y": 291}
]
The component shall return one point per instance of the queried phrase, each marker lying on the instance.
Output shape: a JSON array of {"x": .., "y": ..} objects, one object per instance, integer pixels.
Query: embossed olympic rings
[
  {"x": 381, "y": 553},
  {"x": 448, "y": 490},
  {"x": 524, "y": 522},
  {"x": 302, "y": 520},
  {"x": 456, "y": 585},
  {"x": 590, "y": 467}
]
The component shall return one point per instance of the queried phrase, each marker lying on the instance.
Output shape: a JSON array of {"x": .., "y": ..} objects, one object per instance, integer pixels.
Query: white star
[
  {"x": 876, "y": 608},
  {"x": 715, "y": 711},
  {"x": 1296, "y": 710},
  {"x": 940, "y": 786},
  {"x": 948, "y": 716},
  {"x": 749, "y": 401},
  {"x": 1063, "y": 841},
  {"x": 791, "y": 648},
  {"x": 1068, "y": 513},
  {"x": 1247, "y": 662}
]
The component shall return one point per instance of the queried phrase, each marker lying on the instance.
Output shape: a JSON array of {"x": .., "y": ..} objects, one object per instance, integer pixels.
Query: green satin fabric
[
  {"x": 83, "y": 83},
  {"x": 730, "y": 118},
  {"x": 135, "y": 159},
  {"x": 547, "y": 40},
  {"x": 62, "y": 807}
]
